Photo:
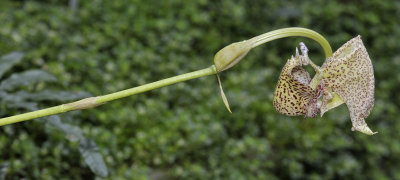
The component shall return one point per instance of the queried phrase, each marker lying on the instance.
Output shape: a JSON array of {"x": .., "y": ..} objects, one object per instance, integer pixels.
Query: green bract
[{"x": 231, "y": 55}]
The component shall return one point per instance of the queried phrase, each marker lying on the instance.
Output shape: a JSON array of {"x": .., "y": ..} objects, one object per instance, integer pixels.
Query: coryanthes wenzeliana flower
[{"x": 346, "y": 77}]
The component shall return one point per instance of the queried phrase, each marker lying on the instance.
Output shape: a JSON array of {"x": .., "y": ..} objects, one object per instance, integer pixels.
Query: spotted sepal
[{"x": 349, "y": 74}]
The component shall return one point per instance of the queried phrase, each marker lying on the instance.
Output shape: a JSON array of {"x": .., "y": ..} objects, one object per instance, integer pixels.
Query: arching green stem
[
  {"x": 96, "y": 101},
  {"x": 296, "y": 31},
  {"x": 224, "y": 59},
  {"x": 290, "y": 32},
  {"x": 233, "y": 53}
]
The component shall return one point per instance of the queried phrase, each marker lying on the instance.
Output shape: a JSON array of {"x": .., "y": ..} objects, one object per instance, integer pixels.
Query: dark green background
[{"x": 184, "y": 131}]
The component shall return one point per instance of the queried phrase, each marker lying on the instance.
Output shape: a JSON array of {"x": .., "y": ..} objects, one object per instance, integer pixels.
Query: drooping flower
[{"x": 346, "y": 77}]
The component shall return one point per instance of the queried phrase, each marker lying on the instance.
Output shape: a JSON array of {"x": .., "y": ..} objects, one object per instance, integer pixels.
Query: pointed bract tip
[
  {"x": 224, "y": 99},
  {"x": 363, "y": 129}
]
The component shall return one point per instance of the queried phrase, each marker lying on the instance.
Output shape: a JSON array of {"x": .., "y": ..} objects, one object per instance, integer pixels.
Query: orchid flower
[{"x": 346, "y": 77}]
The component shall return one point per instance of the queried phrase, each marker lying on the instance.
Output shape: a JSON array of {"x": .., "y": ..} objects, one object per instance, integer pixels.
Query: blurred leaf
[
  {"x": 9, "y": 60},
  {"x": 13, "y": 101},
  {"x": 72, "y": 133},
  {"x": 22, "y": 99},
  {"x": 92, "y": 156},
  {"x": 23, "y": 104},
  {"x": 45, "y": 95},
  {"x": 26, "y": 78},
  {"x": 58, "y": 95},
  {"x": 87, "y": 147},
  {"x": 73, "y": 4},
  {"x": 3, "y": 170}
]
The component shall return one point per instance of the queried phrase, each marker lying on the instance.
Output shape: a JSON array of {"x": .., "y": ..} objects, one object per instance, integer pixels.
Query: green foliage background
[{"x": 184, "y": 131}]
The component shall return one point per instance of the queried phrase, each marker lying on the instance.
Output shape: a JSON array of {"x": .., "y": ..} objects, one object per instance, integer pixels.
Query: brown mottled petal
[
  {"x": 350, "y": 75},
  {"x": 293, "y": 92}
]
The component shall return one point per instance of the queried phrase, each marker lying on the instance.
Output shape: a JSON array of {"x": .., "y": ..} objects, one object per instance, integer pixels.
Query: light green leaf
[
  {"x": 9, "y": 60},
  {"x": 92, "y": 156},
  {"x": 26, "y": 78}
]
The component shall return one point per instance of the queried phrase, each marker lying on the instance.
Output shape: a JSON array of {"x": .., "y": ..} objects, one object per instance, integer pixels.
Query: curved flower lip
[
  {"x": 346, "y": 77},
  {"x": 293, "y": 93}
]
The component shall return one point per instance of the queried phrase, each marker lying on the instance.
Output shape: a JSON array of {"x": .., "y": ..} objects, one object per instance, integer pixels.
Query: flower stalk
[
  {"x": 92, "y": 102},
  {"x": 224, "y": 59}
]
